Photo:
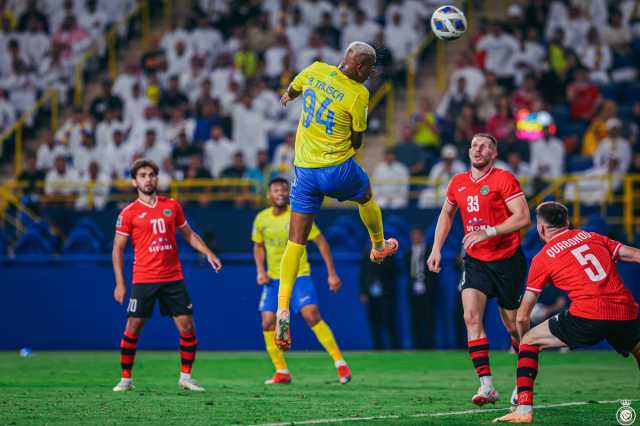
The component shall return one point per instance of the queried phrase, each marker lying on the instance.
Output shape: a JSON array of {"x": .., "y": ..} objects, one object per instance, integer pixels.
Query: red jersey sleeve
[
  {"x": 538, "y": 276},
  {"x": 451, "y": 198},
  {"x": 612, "y": 245},
  {"x": 510, "y": 188},
  {"x": 180, "y": 219},
  {"x": 123, "y": 224}
]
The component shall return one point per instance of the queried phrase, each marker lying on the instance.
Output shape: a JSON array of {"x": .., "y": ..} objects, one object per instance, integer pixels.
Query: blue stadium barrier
[
  {"x": 81, "y": 241},
  {"x": 32, "y": 242}
]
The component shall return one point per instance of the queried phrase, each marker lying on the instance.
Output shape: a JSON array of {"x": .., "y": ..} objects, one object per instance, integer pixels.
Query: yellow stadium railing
[{"x": 385, "y": 92}]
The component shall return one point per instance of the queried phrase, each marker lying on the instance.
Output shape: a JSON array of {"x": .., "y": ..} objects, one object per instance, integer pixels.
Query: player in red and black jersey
[
  {"x": 583, "y": 264},
  {"x": 152, "y": 222},
  {"x": 493, "y": 209}
]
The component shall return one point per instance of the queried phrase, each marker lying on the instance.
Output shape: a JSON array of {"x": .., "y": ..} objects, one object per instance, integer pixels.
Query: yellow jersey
[
  {"x": 273, "y": 231},
  {"x": 333, "y": 107}
]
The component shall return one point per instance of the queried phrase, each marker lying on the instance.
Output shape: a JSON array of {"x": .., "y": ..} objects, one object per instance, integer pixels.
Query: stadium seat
[
  {"x": 89, "y": 225},
  {"x": 610, "y": 91},
  {"x": 81, "y": 242},
  {"x": 560, "y": 113},
  {"x": 630, "y": 93},
  {"x": 572, "y": 128},
  {"x": 335, "y": 235},
  {"x": 596, "y": 223},
  {"x": 33, "y": 243}
]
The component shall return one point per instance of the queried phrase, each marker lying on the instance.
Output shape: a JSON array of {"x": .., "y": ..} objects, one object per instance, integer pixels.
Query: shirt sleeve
[
  {"x": 123, "y": 224},
  {"x": 451, "y": 198},
  {"x": 510, "y": 188},
  {"x": 612, "y": 245},
  {"x": 180, "y": 219},
  {"x": 313, "y": 234},
  {"x": 359, "y": 112},
  {"x": 300, "y": 79},
  {"x": 538, "y": 276},
  {"x": 257, "y": 236}
]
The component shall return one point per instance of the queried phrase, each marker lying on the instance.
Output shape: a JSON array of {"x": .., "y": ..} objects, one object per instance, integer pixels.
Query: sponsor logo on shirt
[
  {"x": 484, "y": 190},
  {"x": 142, "y": 215},
  {"x": 475, "y": 224},
  {"x": 166, "y": 212}
]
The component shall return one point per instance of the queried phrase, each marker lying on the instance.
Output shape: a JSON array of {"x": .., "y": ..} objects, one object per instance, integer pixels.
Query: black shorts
[
  {"x": 577, "y": 332},
  {"x": 173, "y": 296},
  {"x": 503, "y": 279}
]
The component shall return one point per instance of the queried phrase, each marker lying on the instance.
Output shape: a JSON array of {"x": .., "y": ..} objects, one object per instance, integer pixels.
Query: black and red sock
[
  {"x": 527, "y": 372},
  {"x": 128, "y": 346},
  {"x": 188, "y": 347},
  {"x": 479, "y": 352},
  {"x": 515, "y": 344}
]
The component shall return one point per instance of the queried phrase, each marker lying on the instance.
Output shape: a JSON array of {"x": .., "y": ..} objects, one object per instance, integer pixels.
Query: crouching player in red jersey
[
  {"x": 152, "y": 221},
  {"x": 583, "y": 265},
  {"x": 494, "y": 210}
]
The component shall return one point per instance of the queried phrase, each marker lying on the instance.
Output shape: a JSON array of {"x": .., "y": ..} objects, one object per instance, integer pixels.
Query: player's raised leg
[
  {"x": 371, "y": 217},
  {"x": 128, "y": 347},
  {"x": 299, "y": 228},
  {"x": 281, "y": 375},
  {"x": 473, "y": 304},
  {"x": 311, "y": 314},
  {"x": 188, "y": 348}
]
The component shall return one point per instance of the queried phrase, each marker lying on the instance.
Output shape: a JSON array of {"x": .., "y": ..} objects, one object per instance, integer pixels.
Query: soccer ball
[{"x": 448, "y": 23}]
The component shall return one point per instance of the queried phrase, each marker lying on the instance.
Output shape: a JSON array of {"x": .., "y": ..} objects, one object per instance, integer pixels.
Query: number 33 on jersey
[{"x": 333, "y": 107}]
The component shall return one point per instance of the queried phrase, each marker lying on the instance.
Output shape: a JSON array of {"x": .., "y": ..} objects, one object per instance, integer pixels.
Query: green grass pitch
[{"x": 75, "y": 388}]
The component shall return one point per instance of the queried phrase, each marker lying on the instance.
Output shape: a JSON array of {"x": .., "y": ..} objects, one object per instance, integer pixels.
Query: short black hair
[
  {"x": 278, "y": 179},
  {"x": 486, "y": 136},
  {"x": 554, "y": 214},
  {"x": 142, "y": 163}
]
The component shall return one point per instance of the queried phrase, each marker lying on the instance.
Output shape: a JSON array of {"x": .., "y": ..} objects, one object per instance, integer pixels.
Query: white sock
[
  {"x": 185, "y": 376},
  {"x": 285, "y": 371},
  {"x": 126, "y": 380},
  {"x": 524, "y": 409},
  {"x": 340, "y": 363},
  {"x": 486, "y": 381}
]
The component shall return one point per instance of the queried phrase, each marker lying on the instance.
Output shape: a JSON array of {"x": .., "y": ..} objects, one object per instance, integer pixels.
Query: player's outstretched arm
[
  {"x": 119, "y": 244},
  {"x": 445, "y": 220},
  {"x": 325, "y": 251},
  {"x": 289, "y": 95},
  {"x": 196, "y": 242},
  {"x": 523, "y": 317},
  {"x": 259, "y": 255},
  {"x": 629, "y": 254}
]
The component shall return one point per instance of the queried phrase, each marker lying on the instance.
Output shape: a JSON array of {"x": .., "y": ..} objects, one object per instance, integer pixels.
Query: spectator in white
[
  {"x": 249, "y": 138},
  {"x": 203, "y": 94},
  {"x": 473, "y": 76},
  {"x": 151, "y": 120},
  {"x": 487, "y": 95},
  {"x": 206, "y": 41},
  {"x": 59, "y": 12},
  {"x": 596, "y": 57},
  {"x": 614, "y": 145},
  {"x": 440, "y": 175},
  {"x": 179, "y": 123},
  {"x": 12, "y": 55},
  {"x": 273, "y": 65},
  {"x": 224, "y": 74},
  {"x": 330, "y": 34},
  {"x": 593, "y": 185},
  {"x": 312, "y": 11},
  {"x": 557, "y": 17},
  {"x": 177, "y": 32},
  {"x": 7, "y": 112},
  {"x": 55, "y": 72},
  {"x": 179, "y": 57},
  {"x": 529, "y": 57},
  {"x": 135, "y": 103},
  {"x": 61, "y": 180},
  {"x": 70, "y": 132},
  {"x": 93, "y": 19},
  {"x": 132, "y": 73},
  {"x": 616, "y": 34},
  {"x": 84, "y": 154},
  {"x": 266, "y": 101},
  {"x": 400, "y": 38},
  {"x": 362, "y": 29},
  {"x": 412, "y": 10},
  {"x": 297, "y": 31},
  {"x": 194, "y": 76},
  {"x": 73, "y": 37},
  {"x": 48, "y": 151},
  {"x": 499, "y": 47},
  {"x": 117, "y": 10},
  {"x": 155, "y": 150},
  {"x": 218, "y": 152},
  {"x": 96, "y": 186},
  {"x": 391, "y": 182},
  {"x": 547, "y": 154},
  {"x": 283, "y": 157},
  {"x": 22, "y": 87},
  {"x": 35, "y": 41},
  {"x": 451, "y": 104},
  {"x": 117, "y": 156},
  {"x": 316, "y": 51},
  {"x": 104, "y": 130},
  {"x": 577, "y": 28}
]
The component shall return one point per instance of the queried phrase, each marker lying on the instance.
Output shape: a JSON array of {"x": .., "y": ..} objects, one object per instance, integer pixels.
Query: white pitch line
[{"x": 421, "y": 415}]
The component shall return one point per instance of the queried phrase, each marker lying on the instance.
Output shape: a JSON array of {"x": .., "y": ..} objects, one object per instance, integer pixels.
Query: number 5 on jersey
[{"x": 589, "y": 260}]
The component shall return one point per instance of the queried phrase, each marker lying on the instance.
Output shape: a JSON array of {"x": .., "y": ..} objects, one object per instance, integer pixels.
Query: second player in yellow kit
[
  {"x": 270, "y": 230},
  {"x": 331, "y": 128}
]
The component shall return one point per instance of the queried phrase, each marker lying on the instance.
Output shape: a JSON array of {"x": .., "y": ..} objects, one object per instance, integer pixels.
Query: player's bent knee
[
  {"x": 268, "y": 325},
  {"x": 134, "y": 325},
  {"x": 312, "y": 316},
  {"x": 472, "y": 318}
]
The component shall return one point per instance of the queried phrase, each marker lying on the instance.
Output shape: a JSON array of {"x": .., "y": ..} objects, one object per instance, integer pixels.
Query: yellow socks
[
  {"x": 372, "y": 218},
  {"x": 276, "y": 355},
  {"x": 289, "y": 266},
  {"x": 326, "y": 339}
]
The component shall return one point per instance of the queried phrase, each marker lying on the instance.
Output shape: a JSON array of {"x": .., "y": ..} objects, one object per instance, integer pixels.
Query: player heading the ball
[{"x": 330, "y": 129}]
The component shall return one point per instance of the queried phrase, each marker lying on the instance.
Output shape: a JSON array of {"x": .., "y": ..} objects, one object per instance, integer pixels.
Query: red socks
[
  {"x": 479, "y": 352},
  {"x": 527, "y": 372},
  {"x": 127, "y": 353},
  {"x": 188, "y": 346}
]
